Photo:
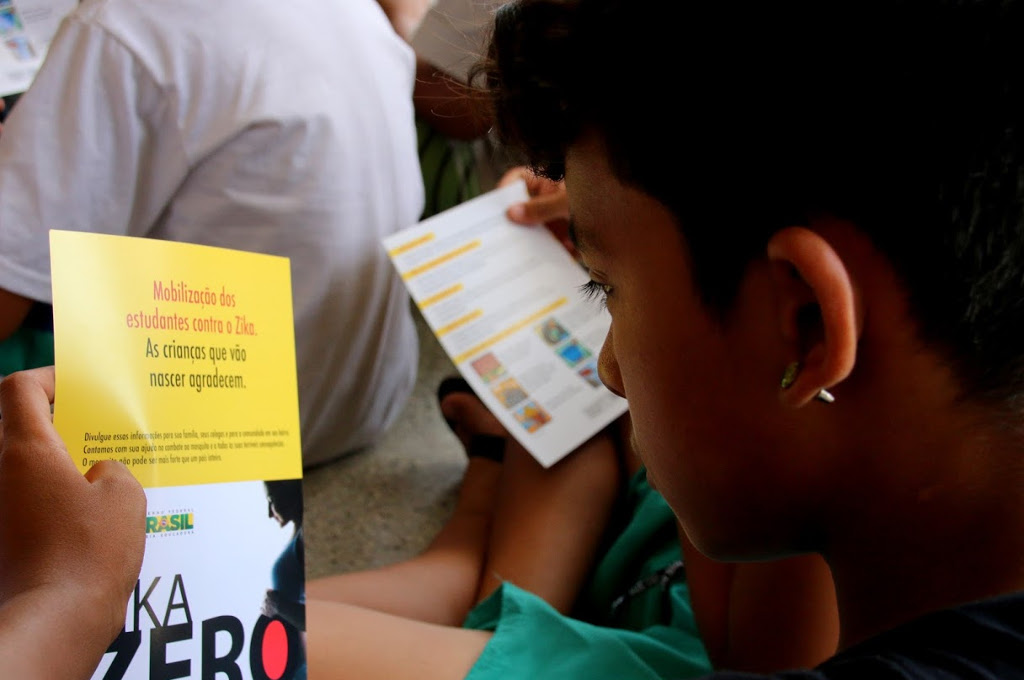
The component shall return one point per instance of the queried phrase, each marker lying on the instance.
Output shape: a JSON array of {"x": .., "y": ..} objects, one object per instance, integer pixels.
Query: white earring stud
[{"x": 789, "y": 377}]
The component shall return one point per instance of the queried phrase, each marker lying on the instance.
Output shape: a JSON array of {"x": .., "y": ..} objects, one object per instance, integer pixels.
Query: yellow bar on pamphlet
[
  {"x": 415, "y": 243},
  {"x": 459, "y": 323},
  {"x": 510, "y": 330},
  {"x": 437, "y": 297},
  {"x": 436, "y": 262}
]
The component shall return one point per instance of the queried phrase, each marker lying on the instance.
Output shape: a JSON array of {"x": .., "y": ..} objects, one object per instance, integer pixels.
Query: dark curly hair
[{"x": 903, "y": 116}]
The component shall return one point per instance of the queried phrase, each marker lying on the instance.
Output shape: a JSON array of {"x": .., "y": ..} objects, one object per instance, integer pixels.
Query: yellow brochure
[
  {"x": 176, "y": 359},
  {"x": 179, "y": 361}
]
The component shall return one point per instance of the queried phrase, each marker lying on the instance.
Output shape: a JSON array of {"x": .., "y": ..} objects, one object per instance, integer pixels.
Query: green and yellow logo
[{"x": 162, "y": 524}]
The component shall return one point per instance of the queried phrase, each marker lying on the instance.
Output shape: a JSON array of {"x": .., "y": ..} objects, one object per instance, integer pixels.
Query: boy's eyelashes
[{"x": 592, "y": 290}]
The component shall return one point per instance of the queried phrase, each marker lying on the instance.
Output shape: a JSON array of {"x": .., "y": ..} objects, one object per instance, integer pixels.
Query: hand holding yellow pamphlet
[{"x": 179, "y": 361}]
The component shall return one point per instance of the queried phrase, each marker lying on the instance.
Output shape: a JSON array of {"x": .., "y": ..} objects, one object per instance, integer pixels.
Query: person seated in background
[
  {"x": 457, "y": 158},
  {"x": 71, "y": 546},
  {"x": 248, "y": 125}
]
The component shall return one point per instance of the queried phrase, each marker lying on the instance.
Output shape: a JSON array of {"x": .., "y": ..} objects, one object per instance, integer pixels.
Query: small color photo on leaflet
[
  {"x": 573, "y": 352},
  {"x": 552, "y": 331},
  {"x": 531, "y": 416},
  {"x": 9, "y": 19},
  {"x": 488, "y": 367},
  {"x": 21, "y": 48},
  {"x": 509, "y": 393},
  {"x": 589, "y": 373}
]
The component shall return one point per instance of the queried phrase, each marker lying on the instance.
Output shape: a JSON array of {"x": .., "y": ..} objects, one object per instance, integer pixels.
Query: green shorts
[
  {"x": 449, "y": 168},
  {"x": 26, "y": 348}
]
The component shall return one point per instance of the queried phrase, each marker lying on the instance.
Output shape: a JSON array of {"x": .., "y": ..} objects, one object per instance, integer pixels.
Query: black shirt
[{"x": 979, "y": 641}]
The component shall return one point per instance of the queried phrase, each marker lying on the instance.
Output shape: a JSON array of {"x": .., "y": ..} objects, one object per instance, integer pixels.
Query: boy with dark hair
[{"x": 830, "y": 193}]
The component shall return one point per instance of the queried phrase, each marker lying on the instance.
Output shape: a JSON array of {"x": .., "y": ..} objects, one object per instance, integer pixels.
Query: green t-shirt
[{"x": 651, "y": 633}]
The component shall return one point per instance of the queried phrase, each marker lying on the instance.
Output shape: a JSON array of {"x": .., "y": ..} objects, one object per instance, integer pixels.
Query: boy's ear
[{"x": 818, "y": 314}]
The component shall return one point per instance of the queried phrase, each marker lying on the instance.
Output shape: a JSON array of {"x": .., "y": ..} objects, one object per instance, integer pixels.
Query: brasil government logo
[{"x": 175, "y": 522}]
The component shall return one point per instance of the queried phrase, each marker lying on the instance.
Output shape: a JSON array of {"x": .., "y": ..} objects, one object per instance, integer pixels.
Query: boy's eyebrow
[
  {"x": 585, "y": 240},
  {"x": 580, "y": 241}
]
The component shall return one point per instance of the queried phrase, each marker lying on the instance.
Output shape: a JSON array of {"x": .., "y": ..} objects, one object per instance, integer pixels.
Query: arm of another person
[
  {"x": 71, "y": 546},
  {"x": 405, "y": 15},
  {"x": 763, "y": 616}
]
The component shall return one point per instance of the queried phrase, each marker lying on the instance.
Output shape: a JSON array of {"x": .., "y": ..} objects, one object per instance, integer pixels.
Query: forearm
[
  {"x": 405, "y": 15},
  {"x": 350, "y": 642},
  {"x": 44, "y": 636}
]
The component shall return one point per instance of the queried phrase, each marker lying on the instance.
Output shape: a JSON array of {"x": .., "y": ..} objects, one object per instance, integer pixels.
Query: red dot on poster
[{"x": 275, "y": 650}]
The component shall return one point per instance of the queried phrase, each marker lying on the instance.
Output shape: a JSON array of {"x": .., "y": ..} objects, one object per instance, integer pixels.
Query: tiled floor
[{"x": 387, "y": 502}]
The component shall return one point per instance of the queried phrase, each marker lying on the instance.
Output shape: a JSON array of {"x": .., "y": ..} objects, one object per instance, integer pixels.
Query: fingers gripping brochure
[
  {"x": 504, "y": 301},
  {"x": 179, "y": 361}
]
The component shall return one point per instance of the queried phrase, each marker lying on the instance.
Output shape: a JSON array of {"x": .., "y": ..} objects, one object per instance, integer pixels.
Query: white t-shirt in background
[{"x": 281, "y": 128}]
